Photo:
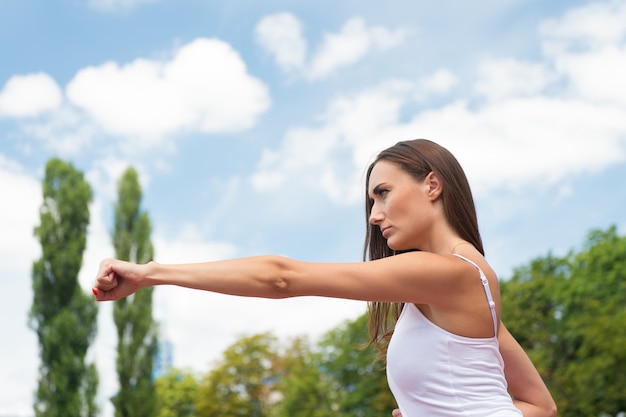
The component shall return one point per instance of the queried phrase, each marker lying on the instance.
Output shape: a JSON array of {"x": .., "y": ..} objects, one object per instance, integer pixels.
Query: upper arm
[
  {"x": 415, "y": 277},
  {"x": 524, "y": 382}
]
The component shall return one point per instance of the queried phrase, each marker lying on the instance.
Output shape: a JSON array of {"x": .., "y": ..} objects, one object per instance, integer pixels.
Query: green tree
[
  {"x": 359, "y": 383},
  {"x": 242, "y": 383},
  {"x": 303, "y": 385},
  {"x": 177, "y": 393},
  {"x": 532, "y": 311},
  {"x": 62, "y": 314},
  {"x": 136, "y": 329},
  {"x": 569, "y": 315}
]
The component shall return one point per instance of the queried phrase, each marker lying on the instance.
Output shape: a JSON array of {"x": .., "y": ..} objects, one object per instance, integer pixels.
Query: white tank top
[{"x": 435, "y": 373}]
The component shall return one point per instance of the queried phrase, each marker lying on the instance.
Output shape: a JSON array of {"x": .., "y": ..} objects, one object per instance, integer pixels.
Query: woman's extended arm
[
  {"x": 418, "y": 277},
  {"x": 525, "y": 385}
]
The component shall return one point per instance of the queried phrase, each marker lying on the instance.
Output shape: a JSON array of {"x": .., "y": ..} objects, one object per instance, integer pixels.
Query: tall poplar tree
[
  {"x": 136, "y": 329},
  {"x": 62, "y": 314}
]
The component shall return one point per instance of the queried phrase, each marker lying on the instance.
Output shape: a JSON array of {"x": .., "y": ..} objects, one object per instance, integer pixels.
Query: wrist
[{"x": 153, "y": 274}]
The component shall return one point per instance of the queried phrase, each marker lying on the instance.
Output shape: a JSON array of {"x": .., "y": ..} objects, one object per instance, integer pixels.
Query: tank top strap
[{"x": 492, "y": 304}]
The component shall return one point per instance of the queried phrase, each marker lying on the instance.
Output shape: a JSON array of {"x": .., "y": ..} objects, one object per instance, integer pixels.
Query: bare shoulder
[
  {"x": 426, "y": 266},
  {"x": 463, "y": 308},
  {"x": 411, "y": 277},
  {"x": 429, "y": 278}
]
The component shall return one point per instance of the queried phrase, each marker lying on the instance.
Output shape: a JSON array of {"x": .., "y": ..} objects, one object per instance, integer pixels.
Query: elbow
[
  {"x": 545, "y": 408},
  {"x": 548, "y": 409},
  {"x": 281, "y": 279}
]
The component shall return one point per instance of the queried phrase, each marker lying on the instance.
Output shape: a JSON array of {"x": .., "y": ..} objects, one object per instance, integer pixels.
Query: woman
[{"x": 445, "y": 347}]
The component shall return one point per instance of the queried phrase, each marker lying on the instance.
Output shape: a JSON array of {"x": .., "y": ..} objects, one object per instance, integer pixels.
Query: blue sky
[{"x": 251, "y": 124}]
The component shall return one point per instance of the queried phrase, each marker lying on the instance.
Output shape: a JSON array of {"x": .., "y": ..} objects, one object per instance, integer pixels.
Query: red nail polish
[{"x": 94, "y": 290}]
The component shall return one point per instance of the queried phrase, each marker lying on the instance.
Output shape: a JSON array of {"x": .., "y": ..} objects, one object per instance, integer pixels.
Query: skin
[{"x": 410, "y": 215}]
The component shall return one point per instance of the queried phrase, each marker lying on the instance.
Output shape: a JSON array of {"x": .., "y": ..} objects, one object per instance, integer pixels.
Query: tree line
[{"x": 568, "y": 312}]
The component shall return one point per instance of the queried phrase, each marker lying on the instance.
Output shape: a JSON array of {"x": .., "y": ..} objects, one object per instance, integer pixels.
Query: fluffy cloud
[
  {"x": 281, "y": 35},
  {"x": 499, "y": 79},
  {"x": 350, "y": 45},
  {"x": 64, "y": 131},
  {"x": 205, "y": 87},
  {"x": 588, "y": 47},
  {"x": 29, "y": 95},
  {"x": 332, "y": 157},
  {"x": 592, "y": 26},
  {"x": 440, "y": 82}
]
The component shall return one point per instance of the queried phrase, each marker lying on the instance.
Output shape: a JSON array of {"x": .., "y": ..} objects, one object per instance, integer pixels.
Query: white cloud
[
  {"x": 440, "y": 82},
  {"x": 597, "y": 76},
  {"x": 537, "y": 140},
  {"x": 350, "y": 45},
  {"x": 588, "y": 47},
  {"x": 503, "y": 78},
  {"x": 205, "y": 87},
  {"x": 29, "y": 95},
  {"x": 64, "y": 131},
  {"x": 332, "y": 157},
  {"x": 281, "y": 35},
  {"x": 591, "y": 26}
]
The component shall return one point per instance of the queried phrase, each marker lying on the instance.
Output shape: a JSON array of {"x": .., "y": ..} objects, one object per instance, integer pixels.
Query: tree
[
  {"x": 569, "y": 314},
  {"x": 303, "y": 386},
  {"x": 136, "y": 329},
  {"x": 62, "y": 314},
  {"x": 242, "y": 382},
  {"x": 360, "y": 383},
  {"x": 176, "y": 393}
]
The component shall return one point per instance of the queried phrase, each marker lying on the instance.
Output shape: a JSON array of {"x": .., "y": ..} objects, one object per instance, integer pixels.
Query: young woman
[{"x": 434, "y": 302}]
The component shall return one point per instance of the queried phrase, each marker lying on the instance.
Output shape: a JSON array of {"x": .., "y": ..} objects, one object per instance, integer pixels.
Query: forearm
[
  {"x": 261, "y": 276},
  {"x": 531, "y": 410},
  {"x": 528, "y": 390}
]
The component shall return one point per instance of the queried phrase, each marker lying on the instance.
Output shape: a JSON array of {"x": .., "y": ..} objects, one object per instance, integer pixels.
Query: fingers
[
  {"x": 102, "y": 295},
  {"x": 107, "y": 280},
  {"x": 117, "y": 279},
  {"x": 396, "y": 413}
]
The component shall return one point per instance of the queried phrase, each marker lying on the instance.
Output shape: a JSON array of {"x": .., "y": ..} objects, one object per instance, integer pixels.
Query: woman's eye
[{"x": 383, "y": 193}]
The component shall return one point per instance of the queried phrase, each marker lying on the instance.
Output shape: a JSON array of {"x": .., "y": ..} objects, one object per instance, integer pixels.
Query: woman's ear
[{"x": 435, "y": 187}]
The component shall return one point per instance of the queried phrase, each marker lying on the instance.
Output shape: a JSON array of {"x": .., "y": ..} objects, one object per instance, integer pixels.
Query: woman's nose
[{"x": 376, "y": 216}]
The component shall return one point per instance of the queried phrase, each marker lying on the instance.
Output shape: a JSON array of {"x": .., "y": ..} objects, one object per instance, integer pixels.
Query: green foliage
[
  {"x": 303, "y": 385},
  {"x": 62, "y": 315},
  {"x": 337, "y": 377},
  {"x": 176, "y": 394},
  {"x": 136, "y": 329},
  {"x": 241, "y": 384},
  {"x": 359, "y": 382},
  {"x": 569, "y": 314}
]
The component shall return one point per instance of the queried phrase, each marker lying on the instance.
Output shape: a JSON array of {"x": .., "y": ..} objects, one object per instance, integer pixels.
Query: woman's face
[{"x": 402, "y": 206}]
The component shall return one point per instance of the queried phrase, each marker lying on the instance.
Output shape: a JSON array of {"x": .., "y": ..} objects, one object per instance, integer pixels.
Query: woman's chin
[
  {"x": 395, "y": 246},
  {"x": 399, "y": 247}
]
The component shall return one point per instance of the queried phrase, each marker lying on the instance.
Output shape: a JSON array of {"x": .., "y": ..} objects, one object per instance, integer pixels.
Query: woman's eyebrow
[{"x": 377, "y": 188}]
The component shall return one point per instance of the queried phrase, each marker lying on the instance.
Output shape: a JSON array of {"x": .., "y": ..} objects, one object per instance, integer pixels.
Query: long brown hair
[{"x": 418, "y": 158}]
